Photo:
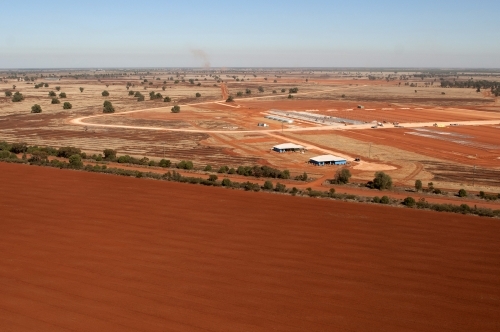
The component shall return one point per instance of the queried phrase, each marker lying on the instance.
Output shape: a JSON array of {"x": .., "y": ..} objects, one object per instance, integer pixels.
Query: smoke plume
[{"x": 200, "y": 54}]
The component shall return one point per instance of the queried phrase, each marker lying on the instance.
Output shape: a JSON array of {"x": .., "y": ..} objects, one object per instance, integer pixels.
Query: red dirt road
[{"x": 93, "y": 252}]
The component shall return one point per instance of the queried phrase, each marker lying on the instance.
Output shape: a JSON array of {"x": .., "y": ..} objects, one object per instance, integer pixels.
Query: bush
[
  {"x": 109, "y": 154},
  {"x": 283, "y": 90},
  {"x": 52, "y": 94},
  {"x": 293, "y": 90},
  {"x": 17, "y": 97},
  {"x": 176, "y": 109},
  {"x": 382, "y": 181},
  {"x": 384, "y": 200},
  {"x": 462, "y": 193},
  {"x": 268, "y": 185},
  {"x": 67, "y": 151},
  {"x": 58, "y": 88},
  {"x": 62, "y": 95},
  {"x": 8, "y": 94},
  {"x": 302, "y": 177},
  {"x": 207, "y": 168},
  {"x": 36, "y": 109},
  {"x": 198, "y": 95},
  {"x": 185, "y": 164},
  {"x": 81, "y": 89},
  {"x": 131, "y": 93},
  {"x": 239, "y": 94},
  {"x": 67, "y": 106},
  {"x": 212, "y": 177},
  {"x": 248, "y": 91},
  {"x": 376, "y": 199},
  {"x": 409, "y": 201},
  {"x": 108, "y": 107},
  {"x": 418, "y": 185},
  {"x": 342, "y": 176},
  {"x": 18, "y": 148},
  {"x": 164, "y": 163},
  {"x": 223, "y": 169},
  {"x": 280, "y": 187},
  {"x": 55, "y": 101},
  {"x": 167, "y": 99},
  {"x": 226, "y": 183},
  {"x": 229, "y": 99},
  {"x": 105, "y": 93},
  {"x": 260, "y": 88},
  {"x": 75, "y": 161}
]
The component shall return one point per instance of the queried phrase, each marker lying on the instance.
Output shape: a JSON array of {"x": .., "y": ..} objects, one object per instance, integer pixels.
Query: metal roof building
[
  {"x": 287, "y": 147},
  {"x": 327, "y": 159}
]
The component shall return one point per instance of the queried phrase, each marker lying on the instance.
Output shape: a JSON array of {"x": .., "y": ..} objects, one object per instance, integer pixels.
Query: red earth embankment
[{"x": 93, "y": 252}]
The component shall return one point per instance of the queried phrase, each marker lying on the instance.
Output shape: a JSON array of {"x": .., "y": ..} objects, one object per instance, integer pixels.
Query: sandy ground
[{"x": 87, "y": 252}]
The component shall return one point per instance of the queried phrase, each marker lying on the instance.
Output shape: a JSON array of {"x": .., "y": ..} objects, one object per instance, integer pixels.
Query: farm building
[
  {"x": 327, "y": 159},
  {"x": 285, "y": 147}
]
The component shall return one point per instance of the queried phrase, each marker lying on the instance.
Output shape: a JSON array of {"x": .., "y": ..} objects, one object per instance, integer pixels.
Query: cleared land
[{"x": 96, "y": 252}]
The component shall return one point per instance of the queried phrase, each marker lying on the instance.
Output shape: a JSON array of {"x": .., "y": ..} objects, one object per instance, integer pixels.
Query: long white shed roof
[
  {"x": 285, "y": 146},
  {"x": 327, "y": 157}
]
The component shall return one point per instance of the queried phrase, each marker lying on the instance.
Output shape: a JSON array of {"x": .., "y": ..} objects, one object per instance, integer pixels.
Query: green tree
[
  {"x": 55, "y": 101},
  {"x": 131, "y": 93},
  {"x": 164, "y": 163},
  {"x": 290, "y": 96},
  {"x": 283, "y": 90},
  {"x": 384, "y": 200},
  {"x": 212, "y": 177},
  {"x": 207, "y": 168},
  {"x": 58, "y": 88},
  {"x": 8, "y": 94},
  {"x": 81, "y": 89},
  {"x": 167, "y": 99},
  {"x": 462, "y": 193},
  {"x": 46, "y": 85},
  {"x": 17, "y": 97},
  {"x": 105, "y": 93},
  {"x": 198, "y": 95},
  {"x": 108, "y": 107},
  {"x": 418, "y": 185},
  {"x": 52, "y": 94},
  {"x": 75, "y": 161},
  {"x": 62, "y": 95},
  {"x": 409, "y": 201},
  {"x": 36, "y": 109},
  {"x": 109, "y": 154},
  {"x": 67, "y": 106},
  {"x": 226, "y": 183},
  {"x": 342, "y": 176},
  {"x": 268, "y": 185},
  {"x": 382, "y": 181},
  {"x": 176, "y": 109}
]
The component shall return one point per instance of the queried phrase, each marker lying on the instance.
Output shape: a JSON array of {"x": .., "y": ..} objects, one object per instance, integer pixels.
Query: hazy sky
[{"x": 271, "y": 33}]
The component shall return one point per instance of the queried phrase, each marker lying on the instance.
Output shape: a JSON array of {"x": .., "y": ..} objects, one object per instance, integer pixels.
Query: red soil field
[{"x": 93, "y": 252}]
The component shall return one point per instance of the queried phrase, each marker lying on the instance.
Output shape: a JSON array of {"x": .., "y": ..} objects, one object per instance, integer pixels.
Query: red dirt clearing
[{"x": 93, "y": 252}]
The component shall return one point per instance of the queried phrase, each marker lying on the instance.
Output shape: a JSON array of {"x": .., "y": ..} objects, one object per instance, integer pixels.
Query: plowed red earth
[{"x": 93, "y": 252}]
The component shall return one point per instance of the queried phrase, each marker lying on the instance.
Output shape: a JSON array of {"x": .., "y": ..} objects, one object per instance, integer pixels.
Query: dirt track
[{"x": 109, "y": 253}]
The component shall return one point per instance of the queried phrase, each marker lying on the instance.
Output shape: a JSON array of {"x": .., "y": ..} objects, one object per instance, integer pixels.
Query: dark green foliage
[
  {"x": 108, "y": 107},
  {"x": 18, "y": 148},
  {"x": 105, "y": 93},
  {"x": 260, "y": 88},
  {"x": 176, "y": 109},
  {"x": 223, "y": 169},
  {"x": 280, "y": 187},
  {"x": 293, "y": 90},
  {"x": 67, "y": 106},
  {"x": 248, "y": 91},
  {"x": 376, "y": 199},
  {"x": 409, "y": 202},
  {"x": 229, "y": 99},
  {"x": 207, "y": 168},
  {"x": 153, "y": 96},
  {"x": 131, "y": 93},
  {"x": 342, "y": 176},
  {"x": 62, "y": 95},
  {"x": 226, "y": 183},
  {"x": 58, "y": 88},
  {"x": 52, "y": 94},
  {"x": 283, "y": 90},
  {"x": 302, "y": 177},
  {"x": 198, "y": 95},
  {"x": 263, "y": 171},
  {"x": 185, "y": 164},
  {"x": 81, "y": 89},
  {"x": 55, "y": 101},
  {"x": 274, "y": 91},
  {"x": 382, "y": 181},
  {"x": 8, "y": 94},
  {"x": 68, "y": 151},
  {"x": 384, "y": 200},
  {"x": 212, "y": 177},
  {"x": 75, "y": 161},
  {"x": 239, "y": 94},
  {"x": 290, "y": 96},
  {"x": 164, "y": 163},
  {"x": 462, "y": 193},
  {"x": 109, "y": 154},
  {"x": 418, "y": 185},
  {"x": 36, "y": 109},
  {"x": 17, "y": 97},
  {"x": 268, "y": 185},
  {"x": 167, "y": 99}
]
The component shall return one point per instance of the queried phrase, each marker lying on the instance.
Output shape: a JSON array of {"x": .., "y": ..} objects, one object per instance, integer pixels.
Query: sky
[{"x": 271, "y": 33}]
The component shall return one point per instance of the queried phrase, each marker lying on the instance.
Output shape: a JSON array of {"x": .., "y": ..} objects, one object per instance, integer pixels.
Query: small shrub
[
  {"x": 376, "y": 199},
  {"x": 212, "y": 178},
  {"x": 268, "y": 185},
  {"x": 17, "y": 97},
  {"x": 418, "y": 185},
  {"x": 164, "y": 163},
  {"x": 108, "y": 107},
  {"x": 55, "y": 101},
  {"x": 384, "y": 200},
  {"x": 342, "y": 176},
  {"x": 409, "y": 201},
  {"x": 52, "y": 94},
  {"x": 105, "y": 93},
  {"x": 36, "y": 109},
  {"x": 167, "y": 99},
  {"x": 67, "y": 106},
  {"x": 176, "y": 109},
  {"x": 229, "y": 99},
  {"x": 462, "y": 193},
  {"x": 198, "y": 95},
  {"x": 207, "y": 168},
  {"x": 382, "y": 181},
  {"x": 62, "y": 95},
  {"x": 75, "y": 161}
]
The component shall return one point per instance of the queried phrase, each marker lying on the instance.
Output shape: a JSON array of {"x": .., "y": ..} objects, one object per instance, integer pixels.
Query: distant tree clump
[
  {"x": 46, "y": 85},
  {"x": 185, "y": 164},
  {"x": 52, "y": 94},
  {"x": 62, "y": 95},
  {"x": 418, "y": 185},
  {"x": 382, "y": 181},
  {"x": 105, "y": 93},
  {"x": 167, "y": 99},
  {"x": 176, "y": 109},
  {"x": 36, "y": 109},
  {"x": 293, "y": 90},
  {"x": 108, "y": 107},
  {"x": 75, "y": 161},
  {"x": 17, "y": 97},
  {"x": 67, "y": 106},
  {"x": 55, "y": 101},
  {"x": 462, "y": 193},
  {"x": 342, "y": 176}
]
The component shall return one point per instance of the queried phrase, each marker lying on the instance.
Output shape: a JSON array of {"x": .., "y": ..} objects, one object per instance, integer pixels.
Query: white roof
[
  {"x": 327, "y": 157},
  {"x": 287, "y": 146}
]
